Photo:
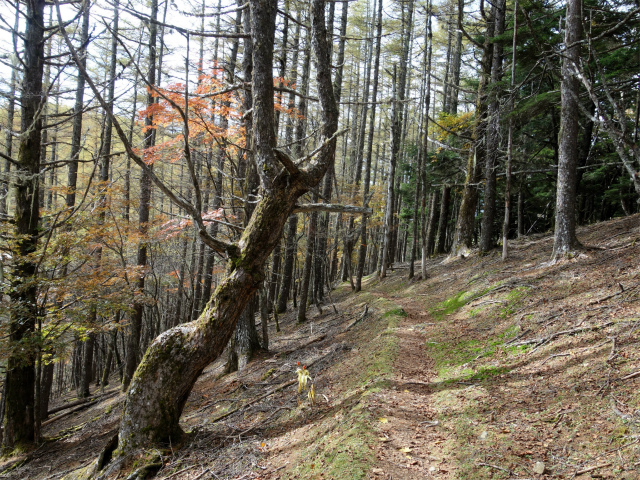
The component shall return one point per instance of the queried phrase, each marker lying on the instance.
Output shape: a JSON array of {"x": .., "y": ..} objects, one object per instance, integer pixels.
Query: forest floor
[{"x": 523, "y": 369}]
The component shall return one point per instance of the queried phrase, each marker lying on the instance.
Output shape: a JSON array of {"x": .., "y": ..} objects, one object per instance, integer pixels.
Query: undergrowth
[{"x": 340, "y": 445}]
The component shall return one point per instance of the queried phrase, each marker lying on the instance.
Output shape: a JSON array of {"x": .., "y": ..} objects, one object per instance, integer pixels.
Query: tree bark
[
  {"x": 133, "y": 340},
  {"x": 565, "y": 241},
  {"x": 507, "y": 187},
  {"x": 287, "y": 271},
  {"x": 175, "y": 359},
  {"x": 441, "y": 236},
  {"x": 20, "y": 378},
  {"x": 465, "y": 226},
  {"x": 487, "y": 241},
  {"x": 362, "y": 252}
]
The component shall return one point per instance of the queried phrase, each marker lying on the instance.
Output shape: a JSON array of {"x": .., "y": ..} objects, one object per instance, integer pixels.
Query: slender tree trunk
[
  {"x": 565, "y": 240},
  {"x": 20, "y": 377},
  {"x": 76, "y": 134},
  {"x": 87, "y": 365},
  {"x": 396, "y": 134},
  {"x": 45, "y": 389},
  {"x": 507, "y": 187},
  {"x": 287, "y": 271},
  {"x": 465, "y": 226},
  {"x": 425, "y": 232},
  {"x": 441, "y": 236},
  {"x": 362, "y": 253},
  {"x": 487, "y": 240},
  {"x": 133, "y": 343},
  {"x": 308, "y": 259},
  {"x": 11, "y": 110},
  {"x": 432, "y": 223},
  {"x": 455, "y": 75},
  {"x": 389, "y": 211}
]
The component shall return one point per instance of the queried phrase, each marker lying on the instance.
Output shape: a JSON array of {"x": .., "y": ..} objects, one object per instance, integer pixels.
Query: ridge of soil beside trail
[{"x": 483, "y": 370}]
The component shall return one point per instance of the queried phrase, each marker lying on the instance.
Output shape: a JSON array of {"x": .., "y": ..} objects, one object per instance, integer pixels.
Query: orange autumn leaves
[{"x": 207, "y": 105}]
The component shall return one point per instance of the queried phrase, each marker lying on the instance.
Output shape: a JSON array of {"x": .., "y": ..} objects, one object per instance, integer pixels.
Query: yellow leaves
[
  {"x": 383, "y": 420},
  {"x": 448, "y": 124},
  {"x": 303, "y": 378}
]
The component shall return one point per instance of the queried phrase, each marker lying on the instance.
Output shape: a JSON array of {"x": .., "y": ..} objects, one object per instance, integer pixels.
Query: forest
[{"x": 178, "y": 178}]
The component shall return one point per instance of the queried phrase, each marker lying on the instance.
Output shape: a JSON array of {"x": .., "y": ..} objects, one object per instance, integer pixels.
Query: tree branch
[
  {"x": 331, "y": 207},
  {"x": 214, "y": 243}
]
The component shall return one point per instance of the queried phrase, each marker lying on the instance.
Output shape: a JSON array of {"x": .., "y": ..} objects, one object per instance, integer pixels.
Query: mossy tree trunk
[{"x": 176, "y": 358}]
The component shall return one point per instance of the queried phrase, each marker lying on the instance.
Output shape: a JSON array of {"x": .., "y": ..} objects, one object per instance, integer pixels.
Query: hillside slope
[{"x": 484, "y": 370}]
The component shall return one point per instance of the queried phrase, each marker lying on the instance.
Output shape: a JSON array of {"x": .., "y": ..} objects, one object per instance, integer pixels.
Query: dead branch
[
  {"x": 554, "y": 356},
  {"x": 304, "y": 345},
  {"x": 542, "y": 341},
  {"x": 79, "y": 402},
  {"x": 518, "y": 337},
  {"x": 80, "y": 407},
  {"x": 591, "y": 469},
  {"x": 631, "y": 375},
  {"x": 359, "y": 319},
  {"x": 495, "y": 467}
]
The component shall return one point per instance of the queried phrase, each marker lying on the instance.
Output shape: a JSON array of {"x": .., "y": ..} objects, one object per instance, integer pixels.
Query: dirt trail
[
  {"x": 408, "y": 426},
  {"x": 485, "y": 370}
]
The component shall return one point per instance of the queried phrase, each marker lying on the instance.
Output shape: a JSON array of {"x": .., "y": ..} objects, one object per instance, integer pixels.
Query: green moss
[
  {"x": 398, "y": 312},
  {"x": 340, "y": 445},
  {"x": 451, "y": 304},
  {"x": 268, "y": 373},
  {"x": 513, "y": 301}
]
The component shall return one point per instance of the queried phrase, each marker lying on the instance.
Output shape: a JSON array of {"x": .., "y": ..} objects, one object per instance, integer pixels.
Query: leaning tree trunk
[{"x": 174, "y": 361}]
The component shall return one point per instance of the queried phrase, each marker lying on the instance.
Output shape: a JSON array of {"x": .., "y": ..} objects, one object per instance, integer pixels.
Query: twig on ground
[
  {"x": 359, "y": 319},
  {"x": 613, "y": 353},
  {"x": 495, "y": 467},
  {"x": 84, "y": 401},
  {"x": 554, "y": 356},
  {"x": 179, "y": 472},
  {"x": 433, "y": 423},
  {"x": 591, "y": 469},
  {"x": 542, "y": 341},
  {"x": 304, "y": 345},
  {"x": 608, "y": 297},
  {"x": 631, "y": 375},
  {"x": 77, "y": 409},
  {"x": 518, "y": 337}
]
